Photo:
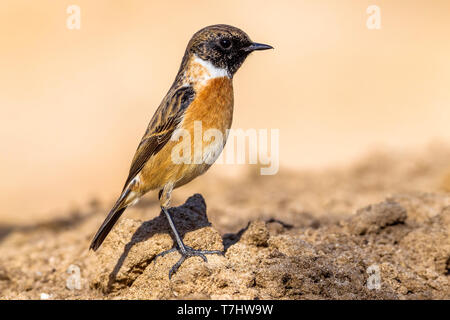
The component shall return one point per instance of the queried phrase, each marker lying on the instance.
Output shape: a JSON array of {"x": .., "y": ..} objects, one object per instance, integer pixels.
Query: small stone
[
  {"x": 256, "y": 234},
  {"x": 45, "y": 296},
  {"x": 373, "y": 218}
]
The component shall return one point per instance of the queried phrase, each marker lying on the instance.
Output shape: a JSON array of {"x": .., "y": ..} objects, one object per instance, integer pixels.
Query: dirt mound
[{"x": 264, "y": 261}]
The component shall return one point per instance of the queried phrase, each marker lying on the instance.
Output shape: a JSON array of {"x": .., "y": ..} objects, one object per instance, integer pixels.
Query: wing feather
[{"x": 164, "y": 122}]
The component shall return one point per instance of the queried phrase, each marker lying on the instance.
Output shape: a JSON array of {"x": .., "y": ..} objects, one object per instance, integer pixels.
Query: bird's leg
[{"x": 183, "y": 249}]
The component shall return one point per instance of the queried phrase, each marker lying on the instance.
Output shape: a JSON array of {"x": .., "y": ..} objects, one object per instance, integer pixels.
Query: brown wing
[{"x": 161, "y": 127}]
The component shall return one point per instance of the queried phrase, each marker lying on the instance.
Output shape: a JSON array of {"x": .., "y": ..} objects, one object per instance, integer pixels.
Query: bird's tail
[
  {"x": 114, "y": 215},
  {"x": 105, "y": 228}
]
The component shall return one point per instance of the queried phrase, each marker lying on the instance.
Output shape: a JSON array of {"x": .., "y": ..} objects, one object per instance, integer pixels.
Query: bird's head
[{"x": 224, "y": 46}]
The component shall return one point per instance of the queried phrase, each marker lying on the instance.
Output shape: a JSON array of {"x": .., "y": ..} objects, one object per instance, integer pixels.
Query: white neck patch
[{"x": 204, "y": 70}]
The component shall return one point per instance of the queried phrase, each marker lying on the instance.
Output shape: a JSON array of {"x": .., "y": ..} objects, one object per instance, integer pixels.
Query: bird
[{"x": 201, "y": 92}]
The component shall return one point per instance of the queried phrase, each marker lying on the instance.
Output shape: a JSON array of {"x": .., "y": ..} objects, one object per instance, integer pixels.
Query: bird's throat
[{"x": 199, "y": 72}]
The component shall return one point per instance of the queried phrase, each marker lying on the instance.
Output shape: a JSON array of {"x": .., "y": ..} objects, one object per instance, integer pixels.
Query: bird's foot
[{"x": 187, "y": 252}]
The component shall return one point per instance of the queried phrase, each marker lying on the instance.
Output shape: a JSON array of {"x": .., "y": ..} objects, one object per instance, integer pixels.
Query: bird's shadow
[{"x": 188, "y": 217}]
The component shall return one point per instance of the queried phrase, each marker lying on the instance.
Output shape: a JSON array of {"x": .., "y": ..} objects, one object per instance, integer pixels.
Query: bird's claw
[{"x": 187, "y": 252}]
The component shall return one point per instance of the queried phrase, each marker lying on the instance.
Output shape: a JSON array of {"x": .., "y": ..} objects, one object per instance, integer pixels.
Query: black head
[{"x": 224, "y": 46}]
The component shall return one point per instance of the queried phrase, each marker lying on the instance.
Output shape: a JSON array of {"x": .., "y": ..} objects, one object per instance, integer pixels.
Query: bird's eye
[{"x": 225, "y": 43}]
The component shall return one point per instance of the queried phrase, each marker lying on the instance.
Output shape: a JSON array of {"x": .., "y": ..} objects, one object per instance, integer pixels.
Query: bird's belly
[{"x": 203, "y": 136}]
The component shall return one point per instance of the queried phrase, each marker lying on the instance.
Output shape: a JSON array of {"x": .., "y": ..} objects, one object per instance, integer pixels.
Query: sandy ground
[{"x": 377, "y": 229}]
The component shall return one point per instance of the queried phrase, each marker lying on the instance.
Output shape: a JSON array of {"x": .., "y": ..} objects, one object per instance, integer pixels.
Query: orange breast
[{"x": 213, "y": 106}]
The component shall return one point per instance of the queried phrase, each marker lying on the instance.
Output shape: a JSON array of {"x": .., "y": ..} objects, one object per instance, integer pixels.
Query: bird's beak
[{"x": 257, "y": 46}]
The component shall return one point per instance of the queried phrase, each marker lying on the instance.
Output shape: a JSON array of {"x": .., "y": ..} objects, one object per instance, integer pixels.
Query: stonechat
[{"x": 202, "y": 91}]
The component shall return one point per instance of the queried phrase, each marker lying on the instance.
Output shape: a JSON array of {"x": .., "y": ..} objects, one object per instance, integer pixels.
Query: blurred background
[{"x": 75, "y": 103}]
